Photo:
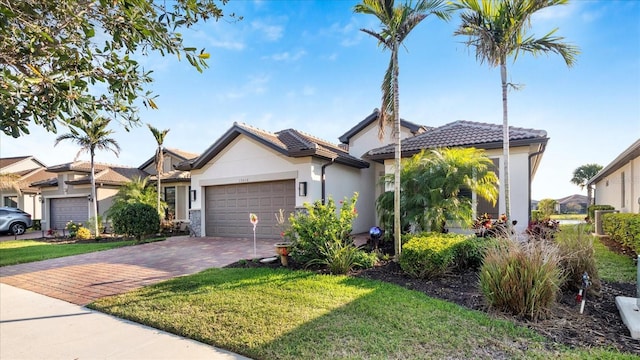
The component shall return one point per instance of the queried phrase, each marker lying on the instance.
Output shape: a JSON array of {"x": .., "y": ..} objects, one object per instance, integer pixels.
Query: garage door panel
[
  {"x": 228, "y": 208},
  {"x": 64, "y": 210}
]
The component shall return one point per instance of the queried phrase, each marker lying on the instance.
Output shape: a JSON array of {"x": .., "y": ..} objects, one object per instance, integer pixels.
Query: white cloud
[
  {"x": 271, "y": 32},
  {"x": 255, "y": 85},
  {"x": 287, "y": 56}
]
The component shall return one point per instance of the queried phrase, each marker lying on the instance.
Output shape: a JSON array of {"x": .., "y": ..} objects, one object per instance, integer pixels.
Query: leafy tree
[
  {"x": 396, "y": 24},
  {"x": 498, "y": 30},
  {"x": 95, "y": 137},
  {"x": 547, "y": 207},
  {"x": 65, "y": 60},
  {"x": 159, "y": 135},
  {"x": 134, "y": 191},
  {"x": 433, "y": 183},
  {"x": 583, "y": 173}
]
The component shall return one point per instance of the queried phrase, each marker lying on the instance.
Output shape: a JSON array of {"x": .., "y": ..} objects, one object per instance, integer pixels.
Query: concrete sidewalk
[{"x": 34, "y": 326}]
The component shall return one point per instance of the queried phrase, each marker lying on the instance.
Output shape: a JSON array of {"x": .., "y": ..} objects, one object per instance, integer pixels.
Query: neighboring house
[
  {"x": 618, "y": 184},
  {"x": 250, "y": 170},
  {"x": 25, "y": 170},
  {"x": 175, "y": 184},
  {"x": 67, "y": 196},
  {"x": 573, "y": 204}
]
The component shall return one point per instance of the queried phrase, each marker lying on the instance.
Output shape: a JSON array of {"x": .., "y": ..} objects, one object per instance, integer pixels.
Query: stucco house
[
  {"x": 62, "y": 193},
  {"x": 67, "y": 195},
  {"x": 618, "y": 183},
  {"x": 250, "y": 170},
  {"x": 25, "y": 170},
  {"x": 175, "y": 185}
]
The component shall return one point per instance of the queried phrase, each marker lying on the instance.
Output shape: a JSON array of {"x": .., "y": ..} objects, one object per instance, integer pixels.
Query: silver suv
[{"x": 14, "y": 221}]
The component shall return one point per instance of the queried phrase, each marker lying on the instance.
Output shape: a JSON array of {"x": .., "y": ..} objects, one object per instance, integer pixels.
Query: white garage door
[
  {"x": 68, "y": 209},
  {"x": 228, "y": 208}
]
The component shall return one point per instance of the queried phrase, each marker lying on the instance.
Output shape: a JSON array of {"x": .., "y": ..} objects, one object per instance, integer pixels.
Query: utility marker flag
[{"x": 254, "y": 220}]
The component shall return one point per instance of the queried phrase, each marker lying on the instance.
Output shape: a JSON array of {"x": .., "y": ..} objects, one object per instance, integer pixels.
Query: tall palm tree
[
  {"x": 396, "y": 24},
  {"x": 497, "y": 29},
  {"x": 93, "y": 136},
  {"x": 159, "y": 135}
]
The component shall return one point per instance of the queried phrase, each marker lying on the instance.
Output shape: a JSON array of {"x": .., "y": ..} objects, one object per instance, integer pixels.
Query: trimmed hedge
[
  {"x": 623, "y": 229},
  {"x": 428, "y": 255},
  {"x": 592, "y": 210}
]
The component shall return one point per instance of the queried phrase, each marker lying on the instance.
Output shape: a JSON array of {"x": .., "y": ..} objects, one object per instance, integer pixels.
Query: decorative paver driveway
[{"x": 81, "y": 279}]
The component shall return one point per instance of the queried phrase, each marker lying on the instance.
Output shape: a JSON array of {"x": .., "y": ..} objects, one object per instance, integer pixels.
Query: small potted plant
[{"x": 283, "y": 249}]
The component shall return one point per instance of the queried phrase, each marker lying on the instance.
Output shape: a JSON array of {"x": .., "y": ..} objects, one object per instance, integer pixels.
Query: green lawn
[
  {"x": 282, "y": 314},
  {"x": 23, "y": 251}
]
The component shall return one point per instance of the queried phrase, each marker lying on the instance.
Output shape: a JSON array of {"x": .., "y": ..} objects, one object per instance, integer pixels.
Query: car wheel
[{"x": 18, "y": 228}]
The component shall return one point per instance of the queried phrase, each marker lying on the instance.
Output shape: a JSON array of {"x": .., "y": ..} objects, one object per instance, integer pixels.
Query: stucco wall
[
  {"x": 609, "y": 190},
  {"x": 341, "y": 182}
]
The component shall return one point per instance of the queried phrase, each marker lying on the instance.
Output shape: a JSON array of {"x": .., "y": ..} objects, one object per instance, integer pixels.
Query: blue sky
[{"x": 306, "y": 65}]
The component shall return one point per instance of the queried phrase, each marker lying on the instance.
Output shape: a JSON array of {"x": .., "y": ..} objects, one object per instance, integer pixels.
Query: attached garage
[
  {"x": 64, "y": 210},
  {"x": 228, "y": 208}
]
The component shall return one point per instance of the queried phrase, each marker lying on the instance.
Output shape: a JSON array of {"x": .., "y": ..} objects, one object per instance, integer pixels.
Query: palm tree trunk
[
  {"x": 505, "y": 142},
  {"x": 398, "y": 155},
  {"x": 93, "y": 194},
  {"x": 159, "y": 166}
]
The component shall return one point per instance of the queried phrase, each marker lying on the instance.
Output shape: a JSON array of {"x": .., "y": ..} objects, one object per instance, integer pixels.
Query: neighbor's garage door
[
  {"x": 228, "y": 208},
  {"x": 68, "y": 209}
]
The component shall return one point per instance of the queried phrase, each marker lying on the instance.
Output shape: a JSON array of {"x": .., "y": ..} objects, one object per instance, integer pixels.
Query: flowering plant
[
  {"x": 73, "y": 228},
  {"x": 543, "y": 229},
  {"x": 485, "y": 226}
]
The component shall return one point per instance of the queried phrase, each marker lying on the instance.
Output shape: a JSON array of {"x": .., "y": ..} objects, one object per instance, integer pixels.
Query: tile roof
[
  {"x": 77, "y": 166},
  {"x": 461, "y": 134},
  {"x": 112, "y": 175},
  {"x": 173, "y": 176},
  {"x": 4, "y": 162},
  {"x": 289, "y": 142},
  {"x": 180, "y": 154},
  {"x": 414, "y": 128},
  {"x": 37, "y": 175}
]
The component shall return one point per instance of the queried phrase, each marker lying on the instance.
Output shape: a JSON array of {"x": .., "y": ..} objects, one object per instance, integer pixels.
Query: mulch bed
[{"x": 600, "y": 325}]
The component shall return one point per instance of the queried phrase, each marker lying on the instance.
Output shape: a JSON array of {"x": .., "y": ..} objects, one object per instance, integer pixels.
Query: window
[
  {"x": 11, "y": 201},
  {"x": 622, "y": 194},
  {"x": 170, "y": 199}
]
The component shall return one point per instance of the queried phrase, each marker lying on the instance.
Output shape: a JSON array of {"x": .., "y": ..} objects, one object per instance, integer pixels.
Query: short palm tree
[
  {"x": 93, "y": 136},
  {"x": 135, "y": 191},
  {"x": 432, "y": 184},
  {"x": 397, "y": 23},
  {"x": 159, "y": 135},
  {"x": 497, "y": 29}
]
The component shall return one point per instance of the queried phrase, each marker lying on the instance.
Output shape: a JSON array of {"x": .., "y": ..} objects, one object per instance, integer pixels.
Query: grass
[
  {"x": 568, "y": 216},
  {"x": 611, "y": 266},
  {"x": 282, "y": 314},
  {"x": 23, "y": 251}
]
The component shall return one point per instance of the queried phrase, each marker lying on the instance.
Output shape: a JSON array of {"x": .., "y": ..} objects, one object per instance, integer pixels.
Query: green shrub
[
  {"x": 522, "y": 278},
  {"x": 341, "y": 258},
  {"x": 592, "y": 210},
  {"x": 136, "y": 219},
  {"x": 623, "y": 229},
  {"x": 577, "y": 256},
  {"x": 91, "y": 223},
  {"x": 428, "y": 255},
  {"x": 470, "y": 253},
  {"x": 536, "y": 215},
  {"x": 72, "y": 227},
  {"x": 320, "y": 228},
  {"x": 83, "y": 233}
]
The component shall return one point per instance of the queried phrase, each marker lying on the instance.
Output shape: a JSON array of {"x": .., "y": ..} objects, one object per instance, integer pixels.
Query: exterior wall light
[
  {"x": 302, "y": 188},
  {"x": 193, "y": 195}
]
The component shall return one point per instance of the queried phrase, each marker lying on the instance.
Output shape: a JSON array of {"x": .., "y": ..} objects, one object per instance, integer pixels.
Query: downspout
[
  {"x": 323, "y": 181},
  {"x": 529, "y": 203}
]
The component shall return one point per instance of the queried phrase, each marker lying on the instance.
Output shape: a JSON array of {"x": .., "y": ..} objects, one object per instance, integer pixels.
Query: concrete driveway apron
[{"x": 81, "y": 279}]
